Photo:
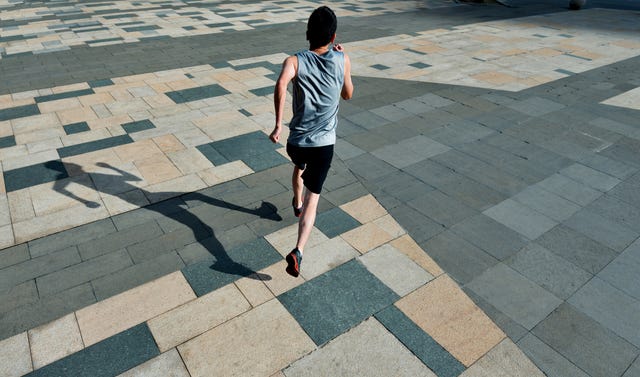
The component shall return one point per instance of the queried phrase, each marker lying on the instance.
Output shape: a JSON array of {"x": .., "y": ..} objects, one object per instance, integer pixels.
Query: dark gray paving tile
[
  {"x": 19, "y": 295},
  {"x": 609, "y": 166},
  {"x": 577, "y": 248},
  {"x": 151, "y": 212},
  {"x": 109, "y": 357},
  {"x": 448, "y": 250},
  {"x": 547, "y": 359},
  {"x": 536, "y": 106},
  {"x": 242, "y": 146},
  {"x": 616, "y": 210},
  {"x": 32, "y": 268},
  {"x": 213, "y": 155},
  {"x": 442, "y": 208},
  {"x": 611, "y": 307},
  {"x": 43, "y": 311},
  {"x": 119, "y": 240},
  {"x": 75, "y": 236},
  {"x": 138, "y": 126},
  {"x": 490, "y": 236},
  {"x": 549, "y": 270},
  {"x": 334, "y": 222},
  {"x": 401, "y": 185},
  {"x": 547, "y": 203},
  {"x": 624, "y": 150},
  {"x": 336, "y": 301},
  {"x": 634, "y": 369},
  {"x": 18, "y": 112},
  {"x": 136, "y": 275},
  {"x": 420, "y": 343},
  {"x": 229, "y": 266},
  {"x": 514, "y": 295},
  {"x": 346, "y": 150},
  {"x": 473, "y": 194},
  {"x": 93, "y": 146},
  {"x": 409, "y": 151},
  {"x": 513, "y": 330},
  {"x": 75, "y": 128},
  {"x": 194, "y": 94},
  {"x": 100, "y": 83},
  {"x": 627, "y": 192},
  {"x": 265, "y": 161},
  {"x": 7, "y": 141},
  {"x": 170, "y": 241},
  {"x": 34, "y": 175},
  {"x": 369, "y": 167},
  {"x": 392, "y": 112},
  {"x": 420, "y": 227},
  {"x": 609, "y": 233},
  {"x": 57, "y": 96},
  {"x": 584, "y": 342},
  {"x": 14, "y": 255},
  {"x": 622, "y": 272},
  {"x": 367, "y": 141}
]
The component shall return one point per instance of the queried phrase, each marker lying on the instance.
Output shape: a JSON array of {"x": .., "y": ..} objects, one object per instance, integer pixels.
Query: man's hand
[
  {"x": 338, "y": 47},
  {"x": 275, "y": 135}
]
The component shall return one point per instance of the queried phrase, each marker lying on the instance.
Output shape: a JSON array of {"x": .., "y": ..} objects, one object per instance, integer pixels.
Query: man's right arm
[
  {"x": 289, "y": 69},
  {"x": 347, "y": 87}
]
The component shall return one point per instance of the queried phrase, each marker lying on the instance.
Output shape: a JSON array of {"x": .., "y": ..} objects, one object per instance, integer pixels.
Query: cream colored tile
[
  {"x": 15, "y": 358},
  {"x": 285, "y": 239},
  {"x": 277, "y": 280},
  {"x": 109, "y": 121},
  {"x": 198, "y": 316},
  {"x": 367, "y": 237},
  {"x": 88, "y": 162},
  {"x": 124, "y": 202},
  {"x": 139, "y": 150},
  {"x": 3, "y": 189},
  {"x": 257, "y": 343},
  {"x": 20, "y": 205},
  {"x": 62, "y": 194},
  {"x": 59, "y": 105},
  {"x": 224, "y": 173},
  {"x": 410, "y": 248},
  {"x": 70, "y": 87},
  {"x": 504, "y": 360},
  {"x": 5, "y": 128},
  {"x": 5, "y": 216},
  {"x": 364, "y": 209},
  {"x": 96, "y": 99},
  {"x": 254, "y": 290},
  {"x": 168, "y": 143},
  {"x": 84, "y": 137},
  {"x": 40, "y": 135},
  {"x": 46, "y": 145},
  {"x": 174, "y": 187},
  {"x": 189, "y": 160},
  {"x": 6, "y": 236},
  {"x": 34, "y": 123},
  {"x": 450, "y": 317},
  {"x": 192, "y": 138},
  {"x": 325, "y": 256},
  {"x": 126, "y": 104},
  {"x": 78, "y": 114},
  {"x": 390, "y": 225},
  {"x": 30, "y": 159},
  {"x": 55, "y": 340},
  {"x": 118, "y": 313},
  {"x": 168, "y": 364},
  {"x": 13, "y": 152}
]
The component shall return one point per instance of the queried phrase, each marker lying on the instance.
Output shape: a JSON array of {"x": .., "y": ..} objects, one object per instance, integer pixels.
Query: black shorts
[{"x": 315, "y": 161}]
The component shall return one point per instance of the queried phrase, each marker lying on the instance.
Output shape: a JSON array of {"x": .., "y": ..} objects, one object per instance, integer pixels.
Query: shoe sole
[{"x": 292, "y": 266}]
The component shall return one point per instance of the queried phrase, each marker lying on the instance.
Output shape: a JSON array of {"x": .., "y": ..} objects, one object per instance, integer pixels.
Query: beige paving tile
[
  {"x": 57, "y": 221},
  {"x": 158, "y": 101},
  {"x": 139, "y": 150},
  {"x": 34, "y": 123},
  {"x": 443, "y": 310},
  {"x": 108, "y": 121},
  {"x": 193, "y": 137},
  {"x": 504, "y": 360},
  {"x": 5, "y": 216},
  {"x": 157, "y": 169},
  {"x": 257, "y": 343},
  {"x": 45, "y": 145},
  {"x": 118, "y": 313},
  {"x": 78, "y": 114},
  {"x": 364, "y": 209},
  {"x": 285, "y": 239},
  {"x": 168, "y": 364},
  {"x": 254, "y": 289},
  {"x": 55, "y": 340},
  {"x": 15, "y": 358},
  {"x": 6, "y": 236},
  {"x": 278, "y": 374},
  {"x": 40, "y": 135},
  {"x": 88, "y": 162},
  {"x": 168, "y": 143},
  {"x": 189, "y": 160},
  {"x": 225, "y": 173},
  {"x": 5, "y": 128},
  {"x": 278, "y": 280},
  {"x": 125, "y": 103},
  {"x": 3, "y": 189},
  {"x": 325, "y": 256},
  {"x": 124, "y": 202},
  {"x": 198, "y": 316},
  {"x": 70, "y": 87},
  {"x": 220, "y": 131},
  {"x": 367, "y": 237},
  {"x": 174, "y": 187},
  {"x": 366, "y": 350},
  {"x": 59, "y": 105},
  {"x": 410, "y": 248},
  {"x": 13, "y": 152},
  {"x": 62, "y": 194},
  {"x": 390, "y": 225},
  {"x": 96, "y": 99}
]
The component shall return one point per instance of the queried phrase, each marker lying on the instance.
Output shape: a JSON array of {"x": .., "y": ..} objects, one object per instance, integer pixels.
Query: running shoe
[{"x": 294, "y": 259}]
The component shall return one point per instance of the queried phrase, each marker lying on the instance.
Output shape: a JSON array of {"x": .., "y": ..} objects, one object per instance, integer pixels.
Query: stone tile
[
  {"x": 349, "y": 291},
  {"x": 115, "y": 314},
  {"x": 584, "y": 342},
  {"x": 442, "y": 208},
  {"x": 55, "y": 340},
  {"x": 609, "y": 166},
  {"x": 520, "y": 218},
  {"x": 570, "y": 189},
  {"x": 490, "y": 236},
  {"x": 536, "y": 106},
  {"x": 15, "y": 358},
  {"x": 325, "y": 256},
  {"x": 224, "y": 173},
  {"x": 410, "y": 151},
  {"x": 603, "y": 230},
  {"x": 622, "y": 272},
  {"x": 390, "y": 225},
  {"x": 369, "y": 167},
  {"x": 411, "y": 249},
  {"x": 443, "y": 311},
  {"x": 367, "y": 237},
  {"x": 168, "y": 143},
  {"x": 18, "y": 295},
  {"x": 177, "y": 326},
  {"x": 110, "y": 357},
  {"x": 278, "y": 280},
  {"x": 617, "y": 211},
  {"x": 611, "y": 307},
  {"x": 335, "y": 222},
  {"x": 139, "y": 150},
  {"x": 14, "y": 255},
  {"x": 168, "y": 364},
  {"x": 364, "y": 209},
  {"x": 548, "y": 270},
  {"x": 346, "y": 150},
  {"x": 350, "y": 354},
  {"x": 547, "y": 359},
  {"x": 157, "y": 169},
  {"x": 367, "y": 119},
  {"x": 32, "y": 268},
  {"x": 92, "y": 146},
  {"x": 420, "y": 343},
  {"x": 395, "y": 269},
  {"x": 547, "y": 203},
  {"x": 189, "y": 160},
  {"x": 514, "y": 295},
  {"x": 512, "y": 329},
  {"x": 447, "y": 249},
  {"x": 627, "y": 192},
  {"x": 254, "y": 289},
  {"x": 590, "y": 177},
  {"x": 420, "y": 227},
  {"x": 33, "y": 175},
  {"x": 259, "y": 342},
  {"x": 505, "y": 360}
]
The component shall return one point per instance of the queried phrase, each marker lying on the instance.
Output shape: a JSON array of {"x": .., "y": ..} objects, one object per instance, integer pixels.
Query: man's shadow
[{"x": 202, "y": 232}]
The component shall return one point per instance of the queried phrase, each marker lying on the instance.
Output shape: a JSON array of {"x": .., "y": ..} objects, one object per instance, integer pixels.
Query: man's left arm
[{"x": 280, "y": 93}]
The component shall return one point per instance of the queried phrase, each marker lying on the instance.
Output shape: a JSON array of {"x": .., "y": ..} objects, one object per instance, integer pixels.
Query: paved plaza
[{"x": 481, "y": 216}]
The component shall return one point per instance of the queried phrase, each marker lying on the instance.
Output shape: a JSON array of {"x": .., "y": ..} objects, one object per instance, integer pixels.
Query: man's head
[{"x": 321, "y": 27}]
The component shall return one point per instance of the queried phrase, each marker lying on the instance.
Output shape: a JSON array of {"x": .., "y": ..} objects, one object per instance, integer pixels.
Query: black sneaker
[
  {"x": 296, "y": 211},
  {"x": 294, "y": 259}
]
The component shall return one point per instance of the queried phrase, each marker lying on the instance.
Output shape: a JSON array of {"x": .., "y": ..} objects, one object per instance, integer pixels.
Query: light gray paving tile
[
  {"x": 570, "y": 189},
  {"x": 547, "y": 203},
  {"x": 442, "y": 208},
  {"x": 392, "y": 112},
  {"x": 410, "y": 151},
  {"x": 168, "y": 364},
  {"x": 627, "y": 192},
  {"x": 350, "y": 354},
  {"x": 21, "y": 294},
  {"x": 434, "y": 100},
  {"x": 603, "y": 230},
  {"x": 33, "y": 268},
  {"x": 611, "y": 307},
  {"x": 549, "y": 270},
  {"x": 505, "y": 359},
  {"x": 14, "y": 255},
  {"x": 489, "y": 235},
  {"x": 346, "y": 150},
  {"x": 591, "y": 177},
  {"x": 514, "y": 295},
  {"x": 622, "y": 272},
  {"x": 547, "y": 359},
  {"x": 395, "y": 269},
  {"x": 70, "y": 237},
  {"x": 609, "y": 166},
  {"x": 535, "y": 106},
  {"x": 413, "y": 106},
  {"x": 367, "y": 119},
  {"x": 520, "y": 218}
]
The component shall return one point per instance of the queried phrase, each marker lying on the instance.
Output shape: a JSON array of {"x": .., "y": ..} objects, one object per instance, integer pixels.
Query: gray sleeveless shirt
[{"x": 316, "y": 96}]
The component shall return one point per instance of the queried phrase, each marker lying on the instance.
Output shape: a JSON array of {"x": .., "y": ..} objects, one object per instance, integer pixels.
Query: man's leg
[
  {"x": 307, "y": 219},
  {"x": 296, "y": 183}
]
